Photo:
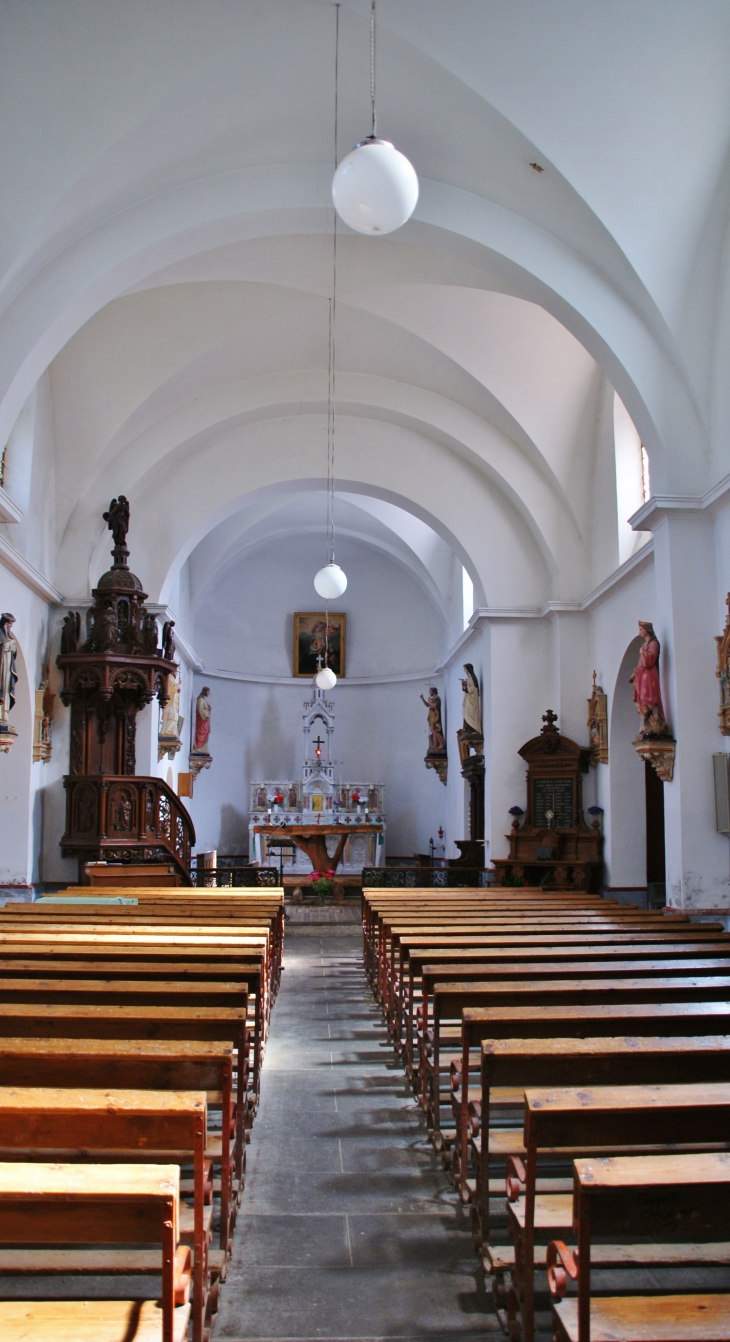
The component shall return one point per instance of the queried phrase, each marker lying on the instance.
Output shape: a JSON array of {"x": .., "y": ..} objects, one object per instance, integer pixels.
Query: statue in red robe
[{"x": 645, "y": 680}]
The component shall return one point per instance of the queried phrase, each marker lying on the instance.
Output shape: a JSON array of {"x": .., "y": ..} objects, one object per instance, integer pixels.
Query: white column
[{"x": 697, "y": 857}]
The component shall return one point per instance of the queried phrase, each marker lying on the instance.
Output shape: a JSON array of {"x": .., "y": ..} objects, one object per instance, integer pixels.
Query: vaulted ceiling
[{"x": 166, "y": 257}]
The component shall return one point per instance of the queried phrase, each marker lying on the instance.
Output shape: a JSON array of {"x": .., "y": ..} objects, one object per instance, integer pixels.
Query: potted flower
[{"x": 322, "y": 883}]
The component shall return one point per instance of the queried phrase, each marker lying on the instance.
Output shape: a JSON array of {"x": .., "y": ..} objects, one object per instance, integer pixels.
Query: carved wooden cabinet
[{"x": 554, "y": 846}]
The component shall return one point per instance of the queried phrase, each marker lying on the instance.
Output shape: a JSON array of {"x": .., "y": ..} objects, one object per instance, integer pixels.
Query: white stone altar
[{"x": 317, "y": 799}]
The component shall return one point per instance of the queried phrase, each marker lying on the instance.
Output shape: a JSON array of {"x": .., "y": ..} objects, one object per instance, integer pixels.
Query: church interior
[{"x": 364, "y": 670}]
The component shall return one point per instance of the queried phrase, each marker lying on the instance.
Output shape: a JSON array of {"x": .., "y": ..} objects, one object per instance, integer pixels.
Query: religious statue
[
  {"x": 71, "y": 631},
  {"x": 43, "y": 720},
  {"x": 202, "y": 722},
  {"x": 723, "y": 672},
  {"x": 647, "y": 690},
  {"x": 168, "y": 641},
  {"x": 436, "y": 754},
  {"x": 117, "y": 519},
  {"x": 471, "y": 707},
  {"x": 293, "y": 799},
  {"x": 108, "y": 628},
  {"x": 8, "y": 674},
  {"x": 655, "y": 742},
  {"x": 437, "y": 743},
  {"x": 200, "y": 757},
  {"x": 149, "y": 632},
  {"x": 168, "y": 740},
  {"x": 598, "y": 724}
]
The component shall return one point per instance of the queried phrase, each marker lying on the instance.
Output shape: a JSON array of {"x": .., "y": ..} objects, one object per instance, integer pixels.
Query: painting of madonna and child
[{"x": 319, "y": 635}]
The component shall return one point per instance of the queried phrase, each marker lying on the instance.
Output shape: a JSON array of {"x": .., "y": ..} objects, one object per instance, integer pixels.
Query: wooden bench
[
  {"x": 450, "y": 1000},
  {"x": 567, "y": 1123},
  {"x": 54, "y": 1123},
  {"x": 555, "y": 1023},
  {"x": 681, "y": 1199},
  {"x": 42, "y": 1204},
  {"x": 185, "y": 1065},
  {"x": 490, "y": 940}
]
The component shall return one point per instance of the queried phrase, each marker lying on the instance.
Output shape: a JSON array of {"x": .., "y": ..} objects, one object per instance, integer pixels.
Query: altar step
[{"x": 325, "y": 913}]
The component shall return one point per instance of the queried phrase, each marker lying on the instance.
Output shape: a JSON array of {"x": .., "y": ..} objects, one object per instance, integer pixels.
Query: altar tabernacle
[{"x": 329, "y": 824}]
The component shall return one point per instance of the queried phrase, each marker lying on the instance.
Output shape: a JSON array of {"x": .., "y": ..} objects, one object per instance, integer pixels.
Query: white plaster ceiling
[{"x": 165, "y": 249}]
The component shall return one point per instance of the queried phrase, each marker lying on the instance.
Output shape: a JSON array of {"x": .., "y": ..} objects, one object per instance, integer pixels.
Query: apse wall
[{"x": 243, "y": 632}]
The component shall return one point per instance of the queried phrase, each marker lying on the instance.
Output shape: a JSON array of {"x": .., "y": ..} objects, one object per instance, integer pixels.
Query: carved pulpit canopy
[{"x": 117, "y": 668}]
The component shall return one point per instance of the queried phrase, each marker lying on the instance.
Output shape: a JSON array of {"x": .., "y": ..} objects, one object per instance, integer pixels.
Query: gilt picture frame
[{"x": 319, "y": 633}]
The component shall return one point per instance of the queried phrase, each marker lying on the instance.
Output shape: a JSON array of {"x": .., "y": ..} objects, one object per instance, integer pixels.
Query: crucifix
[{"x": 318, "y": 746}]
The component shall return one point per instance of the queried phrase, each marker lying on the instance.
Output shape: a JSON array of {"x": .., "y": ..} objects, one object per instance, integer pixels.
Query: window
[
  {"x": 645, "y": 480},
  {"x": 468, "y": 596}
]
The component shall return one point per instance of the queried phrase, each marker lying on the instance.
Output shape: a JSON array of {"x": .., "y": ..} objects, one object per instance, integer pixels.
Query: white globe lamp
[
  {"x": 330, "y": 582},
  {"x": 326, "y": 678},
  {"x": 375, "y": 188}
]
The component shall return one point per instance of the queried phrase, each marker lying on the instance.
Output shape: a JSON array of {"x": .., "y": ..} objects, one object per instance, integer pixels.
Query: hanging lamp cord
[
  {"x": 331, "y": 388},
  {"x": 372, "y": 69}
]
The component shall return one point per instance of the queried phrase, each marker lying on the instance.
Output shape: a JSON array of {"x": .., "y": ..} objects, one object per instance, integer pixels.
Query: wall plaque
[{"x": 558, "y": 796}]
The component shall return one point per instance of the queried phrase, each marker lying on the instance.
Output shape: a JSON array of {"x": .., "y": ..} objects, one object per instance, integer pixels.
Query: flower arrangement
[
  {"x": 276, "y": 799},
  {"x": 355, "y": 798},
  {"x": 322, "y": 883}
]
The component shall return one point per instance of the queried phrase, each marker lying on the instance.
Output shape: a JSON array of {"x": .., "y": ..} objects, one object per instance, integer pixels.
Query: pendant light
[
  {"x": 375, "y": 187},
  {"x": 330, "y": 582},
  {"x": 326, "y": 678}
]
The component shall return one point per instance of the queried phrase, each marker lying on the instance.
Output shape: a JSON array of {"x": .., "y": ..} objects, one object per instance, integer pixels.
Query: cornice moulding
[
  {"x": 9, "y": 511},
  {"x": 659, "y": 505},
  {"x": 28, "y": 574},
  {"x": 303, "y": 681}
]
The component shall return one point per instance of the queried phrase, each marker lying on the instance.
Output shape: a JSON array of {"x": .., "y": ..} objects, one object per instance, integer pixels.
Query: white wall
[
  {"x": 256, "y": 732},
  {"x": 244, "y": 625}
]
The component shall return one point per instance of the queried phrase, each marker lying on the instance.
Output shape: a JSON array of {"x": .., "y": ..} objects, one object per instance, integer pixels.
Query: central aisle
[{"x": 348, "y": 1229}]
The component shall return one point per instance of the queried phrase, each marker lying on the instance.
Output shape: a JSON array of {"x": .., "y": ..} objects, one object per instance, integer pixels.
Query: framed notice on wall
[
  {"x": 319, "y": 635},
  {"x": 556, "y": 795}
]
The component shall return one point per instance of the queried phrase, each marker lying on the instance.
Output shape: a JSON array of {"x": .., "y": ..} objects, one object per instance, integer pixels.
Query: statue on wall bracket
[
  {"x": 168, "y": 738},
  {"x": 436, "y": 756},
  {"x": 200, "y": 756},
  {"x": 470, "y": 735},
  {"x": 8, "y": 680},
  {"x": 598, "y": 724},
  {"x": 723, "y": 672},
  {"x": 655, "y": 742}
]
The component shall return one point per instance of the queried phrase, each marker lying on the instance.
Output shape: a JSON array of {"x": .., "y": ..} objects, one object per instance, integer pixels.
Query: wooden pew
[
  {"x": 489, "y": 931},
  {"x": 52, "y": 1124},
  {"x": 679, "y": 1198},
  {"x": 428, "y": 966},
  {"x": 450, "y": 1000},
  {"x": 600, "y": 1121},
  {"x": 185, "y": 1065},
  {"x": 552, "y": 1024},
  {"x": 106, "y": 1205}
]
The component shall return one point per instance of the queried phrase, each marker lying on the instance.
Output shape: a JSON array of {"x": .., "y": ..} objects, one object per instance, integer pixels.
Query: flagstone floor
[{"x": 348, "y": 1228}]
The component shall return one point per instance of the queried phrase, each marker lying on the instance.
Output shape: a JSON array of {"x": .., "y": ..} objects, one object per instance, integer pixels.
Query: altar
[{"x": 343, "y": 820}]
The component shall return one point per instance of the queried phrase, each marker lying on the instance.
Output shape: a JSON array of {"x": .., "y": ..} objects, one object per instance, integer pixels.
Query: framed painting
[{"x": 319, "y": 635}]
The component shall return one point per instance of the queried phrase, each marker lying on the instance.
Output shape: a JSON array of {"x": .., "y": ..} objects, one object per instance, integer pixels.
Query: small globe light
[
  {"x": 326, "y": 679},
  {"x": 330, "y": 582},
  {"x": 375, "y": 188}
]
